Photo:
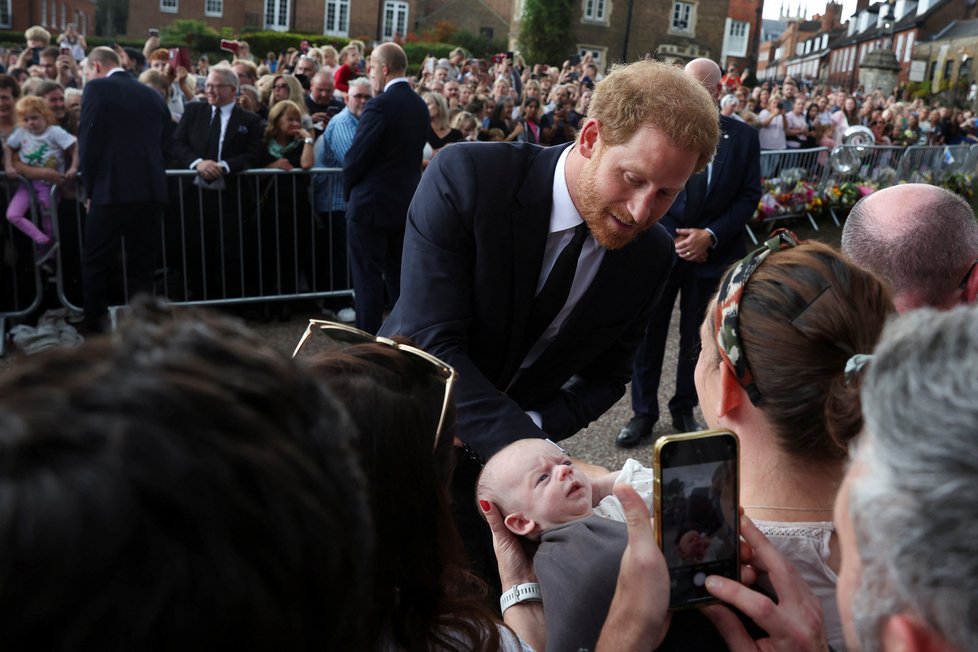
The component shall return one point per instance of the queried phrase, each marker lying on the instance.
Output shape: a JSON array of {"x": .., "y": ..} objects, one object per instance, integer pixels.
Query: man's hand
[
  {"x": 639, "y": 615},
  {"x": 693, "y": 244},
  {"x": 209, "y": 170},
  {"x": 320, "y": 117},
  {"x": 794, "y": 623}
]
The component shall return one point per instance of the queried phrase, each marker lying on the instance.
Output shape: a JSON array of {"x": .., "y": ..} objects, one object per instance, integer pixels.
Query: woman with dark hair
[
  {"x": 9, "y": 94},
  {"x": 782, "y": 347},
  {"x": 531, "y": 121},
  {"x": 424, "y": 597}
]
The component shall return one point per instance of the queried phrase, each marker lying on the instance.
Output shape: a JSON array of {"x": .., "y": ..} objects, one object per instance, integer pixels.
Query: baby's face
[{"x": 546, "y": 488}]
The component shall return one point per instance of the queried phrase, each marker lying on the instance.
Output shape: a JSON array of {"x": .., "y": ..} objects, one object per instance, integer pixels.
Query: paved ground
[{"x": 594, "y": 444}]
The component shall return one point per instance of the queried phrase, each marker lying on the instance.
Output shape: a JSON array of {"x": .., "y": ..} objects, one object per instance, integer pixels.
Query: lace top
[{"x": 806, "y": 545}]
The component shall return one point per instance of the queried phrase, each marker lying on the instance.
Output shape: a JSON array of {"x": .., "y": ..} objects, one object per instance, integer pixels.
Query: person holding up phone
[
  {"x": 781, "y": 341},
  {"x": 181, "y": 87},
  {"x": 320, "y": 101}
]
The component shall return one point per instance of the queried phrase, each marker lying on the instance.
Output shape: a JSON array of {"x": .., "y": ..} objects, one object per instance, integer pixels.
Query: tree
[{"x": 545, "y": 31}]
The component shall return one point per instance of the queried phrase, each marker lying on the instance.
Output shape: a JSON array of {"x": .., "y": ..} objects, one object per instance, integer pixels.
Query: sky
[{"x": 772, "y": 8}]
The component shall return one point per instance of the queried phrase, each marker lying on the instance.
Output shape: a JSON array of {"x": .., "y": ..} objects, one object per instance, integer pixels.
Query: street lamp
[{"x": 886, "y": 29}]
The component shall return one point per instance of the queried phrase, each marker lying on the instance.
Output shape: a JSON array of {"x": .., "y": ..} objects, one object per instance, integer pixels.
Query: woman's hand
[
  {"x": 794, "y": 623},
  {"x": 638, "y": 618}
]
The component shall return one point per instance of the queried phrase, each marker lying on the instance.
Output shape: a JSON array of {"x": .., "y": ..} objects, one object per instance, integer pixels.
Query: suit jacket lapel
[
  {"x": 721, "y": 158},
  {"x": 529, "y": 225}
]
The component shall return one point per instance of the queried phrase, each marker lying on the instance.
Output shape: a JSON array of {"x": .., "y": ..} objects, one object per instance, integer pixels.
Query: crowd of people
[
  {"x": 181, "y": 484},
  {"x": 794, "y": 114}
]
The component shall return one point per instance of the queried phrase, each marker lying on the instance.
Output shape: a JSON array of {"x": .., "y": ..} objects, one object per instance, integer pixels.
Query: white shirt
[
  {"x": 395, "y": 81},
  {"x": 225, "y": 117}
]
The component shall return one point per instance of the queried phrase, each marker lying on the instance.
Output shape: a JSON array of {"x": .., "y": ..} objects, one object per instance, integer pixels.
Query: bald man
[
  {"x": 706, "y": 223},
  {"x": 922, "y": 240},
  {"x": 381, "y": 171}
]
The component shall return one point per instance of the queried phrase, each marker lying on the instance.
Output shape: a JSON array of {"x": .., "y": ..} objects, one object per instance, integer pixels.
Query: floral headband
[{"x": 726, "y": 319}]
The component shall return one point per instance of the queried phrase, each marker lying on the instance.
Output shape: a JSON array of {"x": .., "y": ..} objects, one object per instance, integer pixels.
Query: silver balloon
[{"x": 844, "y": 160}]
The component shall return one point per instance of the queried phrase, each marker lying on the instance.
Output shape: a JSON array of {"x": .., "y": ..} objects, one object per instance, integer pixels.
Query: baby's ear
[{"x": 519, "y": 524}]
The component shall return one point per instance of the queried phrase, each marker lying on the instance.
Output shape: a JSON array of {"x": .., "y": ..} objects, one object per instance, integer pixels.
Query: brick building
[
  {"x": 54, "y": 15},
  {"x": 626, "y": 30},
  {"x": 741, "y": 36},
  {"x": 912, "y": 22},
  {"x": 371, "y": 20}
]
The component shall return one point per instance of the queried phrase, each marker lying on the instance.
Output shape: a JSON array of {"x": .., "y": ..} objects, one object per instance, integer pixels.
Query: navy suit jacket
[
  {"x": 124, "y": 140},
  {"x": 473, "y": 251},
  {"x": 731, "y": 198},
  {"x": 382, "y": 168},
  {"x": 242, "y": 145}
]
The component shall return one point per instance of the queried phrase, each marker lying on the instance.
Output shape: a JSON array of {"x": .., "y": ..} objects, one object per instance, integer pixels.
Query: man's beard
[{"x": 596, "y": 213}]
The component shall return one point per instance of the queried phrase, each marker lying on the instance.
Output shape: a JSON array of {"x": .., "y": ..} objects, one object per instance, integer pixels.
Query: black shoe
[
  {"x": 685, "y": 423},
  {"x": 638, "y": 428}
]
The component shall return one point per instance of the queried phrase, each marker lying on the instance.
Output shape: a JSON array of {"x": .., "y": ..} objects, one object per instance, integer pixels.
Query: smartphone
[
  {"x": 697, "y": 493},
  {"x": 65, "y": 50},
  {"x": 154, "y": 32},
  {"x": 333, "y": 110},
  {"x": 36, "y": 56},
  {"x": 230, "y": 46}
]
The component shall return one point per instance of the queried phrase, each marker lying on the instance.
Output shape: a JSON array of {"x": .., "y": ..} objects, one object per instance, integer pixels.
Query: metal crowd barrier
[
  {"x": 21, "y": 289},
  {"x": 781, "y": 170},
  {"x": 258, "y": 240},
  {"x": 879, "y": 165},
  {"x": 931, "y": 164}
]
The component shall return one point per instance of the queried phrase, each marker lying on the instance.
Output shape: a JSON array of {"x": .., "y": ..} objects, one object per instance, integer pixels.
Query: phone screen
[{"x": 697, "y": 511}]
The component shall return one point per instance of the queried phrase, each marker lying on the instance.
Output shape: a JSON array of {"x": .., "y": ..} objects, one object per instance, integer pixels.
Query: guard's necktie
[
  {"x": 553, "y": 294},
  {"x": 695, "y": 194},
  {"x": 213, "y": 150}
]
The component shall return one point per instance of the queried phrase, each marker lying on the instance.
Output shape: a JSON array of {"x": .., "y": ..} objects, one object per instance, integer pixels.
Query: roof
[{"x": 958, "y": 29}]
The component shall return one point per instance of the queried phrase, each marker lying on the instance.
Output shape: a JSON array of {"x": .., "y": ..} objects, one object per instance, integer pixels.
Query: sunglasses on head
[{"x": 343, "y": 335}]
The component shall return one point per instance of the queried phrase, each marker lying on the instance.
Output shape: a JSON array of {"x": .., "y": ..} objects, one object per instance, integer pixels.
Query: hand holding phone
[{"x": 697, "y": 484}]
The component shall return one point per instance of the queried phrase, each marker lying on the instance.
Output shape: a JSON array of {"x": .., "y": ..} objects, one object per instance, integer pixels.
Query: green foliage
[
  {"x": 545, "y": 32},
  {"x": 195, "y": 34},
  {"x": 919, "y": 89},
  {"x": 262, "y": 42},
  {"x": 479, "y": 46}
]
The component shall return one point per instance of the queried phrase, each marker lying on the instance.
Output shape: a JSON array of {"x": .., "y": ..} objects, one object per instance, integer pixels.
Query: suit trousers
[
  {"x": 694, "y": 294},
  {"x": 375, "y": 263},
  {"x": 105, "y": 226}
]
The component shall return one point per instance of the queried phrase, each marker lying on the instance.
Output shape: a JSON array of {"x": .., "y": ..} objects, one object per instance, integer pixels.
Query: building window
[
  {"x": 486, "y": 33},
  {"x": 395, "y": 19},
  {"x": 277, "y": 15},
  {"x": 683, "y": 17},
  {"x": 597, "y": 53},
  {"x": 169, "y": 6},
  {"x": 337, "y": 18},
  {"x": 214, "y": 8},
  {"x": 735, "y": 41},
  {"x": 596, "y": 11},
  {"x": 5, "y": 13},
  {"x": 909, "y": 50}
]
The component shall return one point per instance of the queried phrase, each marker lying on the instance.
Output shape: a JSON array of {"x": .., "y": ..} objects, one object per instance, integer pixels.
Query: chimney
[
  {"x": 831, "y": 19},
  {"x": 860, "y": 5}
]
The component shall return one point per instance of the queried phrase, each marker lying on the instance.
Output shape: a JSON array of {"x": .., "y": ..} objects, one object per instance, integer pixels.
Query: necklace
[{"x": 790, "y": 509}]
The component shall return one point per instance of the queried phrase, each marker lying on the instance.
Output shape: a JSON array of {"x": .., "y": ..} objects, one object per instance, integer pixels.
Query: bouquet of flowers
[
  {"x": 788, "y": 194},
  {"x": 961, "y": 183},
  {"x": 845, "y": 194}
]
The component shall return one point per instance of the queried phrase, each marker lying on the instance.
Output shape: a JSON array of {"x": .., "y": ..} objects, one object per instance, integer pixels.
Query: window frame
[
  {"x": 401, "y": 9},
  {"x": 169, "y": 6}
]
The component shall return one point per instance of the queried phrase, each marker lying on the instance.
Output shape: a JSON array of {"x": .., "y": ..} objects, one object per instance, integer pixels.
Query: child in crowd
[{"x": 39, "y": 143}]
